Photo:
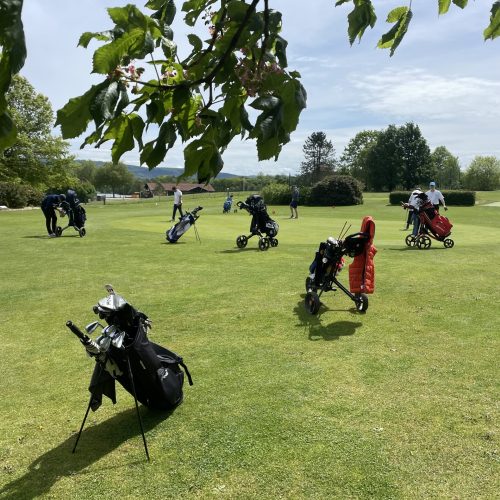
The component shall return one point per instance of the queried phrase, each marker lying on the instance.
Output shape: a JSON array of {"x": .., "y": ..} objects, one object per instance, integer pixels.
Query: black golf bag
[
  {"x": 152, "y": 374},
  {"x": 185, "y": 222},
  {"x": 261, "y": 225},
  {"x": 75, "y": 212}
]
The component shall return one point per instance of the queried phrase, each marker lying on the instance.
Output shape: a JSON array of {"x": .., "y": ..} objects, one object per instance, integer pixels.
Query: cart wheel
[
  {"x": 448, "y": 243},
  {"x": 312, "y": 302},
  {"x": 310, "y": 284},
  {"x": 58, "y": 231},
  {"x": 274, "y": 242},
  {"x": 241, "y": 241},
  {"x": 82, "y": 232},
  {"x": 263, "y": 244},
  {"x": 361, "y": 301},
  {"x": 410, "y": 240},
  {"x": 424, "y": 242}
]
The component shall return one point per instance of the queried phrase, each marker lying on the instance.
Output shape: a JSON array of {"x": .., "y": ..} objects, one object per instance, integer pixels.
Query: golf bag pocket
[{"x": 170, "y": 382}]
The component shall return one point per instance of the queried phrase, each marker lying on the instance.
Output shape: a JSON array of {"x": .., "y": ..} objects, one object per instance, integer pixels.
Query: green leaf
[
  {"x": 128, "y": 16},
  {"x": 119, "y": 129},
  {"x": 86, "y": 37},
  {"x": 75, "y": 115},
  {"x": 236, "y": 10},
  {"x": 170, "y": 11},
  {"x": 443, "y": 6},
  {"x": 155, "y": 4},
  {"x": 265, "y": 103},
  {"x": 340, "y": 2},
  {"x": 280, "y": 46},
  {"x": 461, "y": 3},
  {"x": 138, "y": 125},
  {"x": 109, "y": 56},
  {"x": 202, "y": 158},
  {"x": 8, "y": 131},
  {"x": 493, "y": 30},
  {"x": 394, "y": 36},
  {"x": 103, "y": 105},
  {"x": 154, "y": 152},
  {"x": 245, "y": 122},
  {"x": 195, "y": 42},
  {"x": 269, "y": 148},
  {"x": 124, "y": 99},
  {"x": 362, "y": 16},
  {"x": 294, "y": 97}
]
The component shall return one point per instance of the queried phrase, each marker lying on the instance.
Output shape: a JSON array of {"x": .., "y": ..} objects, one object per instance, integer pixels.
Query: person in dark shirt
[
  {"x": 49, "y": 205},
  {"x": 294, "y": 203}
]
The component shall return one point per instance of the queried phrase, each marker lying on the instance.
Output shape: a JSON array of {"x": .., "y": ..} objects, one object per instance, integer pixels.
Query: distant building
[{"x": 185, "y": 187}]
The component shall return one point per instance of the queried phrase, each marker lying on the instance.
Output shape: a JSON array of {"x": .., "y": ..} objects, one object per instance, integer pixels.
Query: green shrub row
[
  {"x": 16, "y": 195},
  {"x": 335, "y": 190},
  {"x": 451, "y": 197}
]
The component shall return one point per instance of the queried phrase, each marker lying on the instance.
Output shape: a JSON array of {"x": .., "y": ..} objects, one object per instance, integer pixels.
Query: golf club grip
[{"x": 76, "y": 331}]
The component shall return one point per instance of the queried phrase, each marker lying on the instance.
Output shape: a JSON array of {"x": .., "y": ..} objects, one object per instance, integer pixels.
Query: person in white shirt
[
  {"x": 177, "y": 202},
  {"x": 410, "y": 205},
  {"x": 415, "y": 202},
  {"x": 435, "y": 196}
]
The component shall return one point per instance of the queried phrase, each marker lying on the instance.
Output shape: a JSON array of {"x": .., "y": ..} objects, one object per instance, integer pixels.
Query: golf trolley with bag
[
  {"x": 153, "y": 375},
  {"x": 77, "y": 216},
  {"x": 329, "y": 262},
  {"x": 261, "y": 225}
]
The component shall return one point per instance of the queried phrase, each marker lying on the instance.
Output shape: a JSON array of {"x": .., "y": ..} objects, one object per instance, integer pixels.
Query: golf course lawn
[{"x": 400, "y": 402}]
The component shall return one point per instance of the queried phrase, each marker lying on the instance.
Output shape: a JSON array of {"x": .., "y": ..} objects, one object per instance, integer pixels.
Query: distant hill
[{"x": 144, "y": 173}]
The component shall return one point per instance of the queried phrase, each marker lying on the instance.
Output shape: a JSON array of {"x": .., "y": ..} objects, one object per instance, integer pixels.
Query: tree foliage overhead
[
  {"x": 233, "y": 82},
  {"x": 12, "y": 57},
  {"x": 202, "y": 98}
]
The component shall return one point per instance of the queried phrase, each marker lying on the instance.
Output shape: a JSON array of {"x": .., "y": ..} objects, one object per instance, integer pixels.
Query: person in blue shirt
[{"x": 50, "y": 203}]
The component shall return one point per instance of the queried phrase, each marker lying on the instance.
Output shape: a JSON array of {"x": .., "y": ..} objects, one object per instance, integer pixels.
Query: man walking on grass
[{"x": 177, "y": 202}]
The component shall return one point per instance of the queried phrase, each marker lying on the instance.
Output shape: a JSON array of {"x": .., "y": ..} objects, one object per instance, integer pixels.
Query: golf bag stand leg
[
  {"x": 196, "y": 233},
  {"x": 83, "y": 423},
  {"x": 137, "y": 409},
  {"x": 85, "y": 417}
]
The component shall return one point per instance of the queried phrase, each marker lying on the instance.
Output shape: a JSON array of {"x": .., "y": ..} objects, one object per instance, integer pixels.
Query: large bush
[
  {"x": 84, "y": 190},
  {"x": 277, "y": 194},
  {"x": 457, "y": 198},
  {"x": 17, "y": 195},
  {"x": 336, "y": 190}
]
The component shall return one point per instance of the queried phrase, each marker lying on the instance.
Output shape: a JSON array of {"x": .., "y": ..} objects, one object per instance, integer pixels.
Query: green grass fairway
[{"x": 401, "y": 402}]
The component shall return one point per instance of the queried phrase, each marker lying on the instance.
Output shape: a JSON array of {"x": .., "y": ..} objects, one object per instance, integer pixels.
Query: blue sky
[{"x": 443, "y": 77}]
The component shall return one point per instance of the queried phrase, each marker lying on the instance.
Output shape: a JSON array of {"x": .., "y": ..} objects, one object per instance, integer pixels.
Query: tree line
[
  {"x": 393, "y": 158},
  {"x": 397, "y": 157}
]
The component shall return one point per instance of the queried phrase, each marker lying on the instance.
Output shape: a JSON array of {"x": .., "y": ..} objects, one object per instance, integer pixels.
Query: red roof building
[{"x": 185, "y": 187}]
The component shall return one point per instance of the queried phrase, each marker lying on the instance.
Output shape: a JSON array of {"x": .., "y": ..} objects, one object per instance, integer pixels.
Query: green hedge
[
  {"x": 456, "y": 198},
  {"x": 336, "y": 190},
  {"x": 16, "y": 195},
  {"x": 277, "y": 194}
]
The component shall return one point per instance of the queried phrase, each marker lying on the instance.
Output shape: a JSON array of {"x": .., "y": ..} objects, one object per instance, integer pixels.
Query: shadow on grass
[
  {"x": 45, "y": 237},
  {"x": 95, "y": 442},
  {"x": 317, "y": 330},
  {"x": 415, "y": 249},
  {"x": 239, "y": 250}
]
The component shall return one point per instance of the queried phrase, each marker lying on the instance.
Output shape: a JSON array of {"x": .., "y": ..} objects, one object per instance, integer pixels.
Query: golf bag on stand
[{"x": 152, "y": 374}]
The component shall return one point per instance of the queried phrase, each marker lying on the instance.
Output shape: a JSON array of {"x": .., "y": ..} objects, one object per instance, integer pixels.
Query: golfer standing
[
  {"x": 177, "y": 202},
  {"x": 435, "y": 196},
  {"x": 294, "y": 203}
]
